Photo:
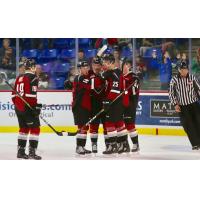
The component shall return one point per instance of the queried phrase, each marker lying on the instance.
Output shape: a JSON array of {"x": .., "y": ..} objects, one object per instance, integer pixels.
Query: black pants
[
  {"x": 130, "y": 110},
  {"x": 190, "y": 120},
  {"x": 97, "y": 105},
  {"x": 81, "y": 115},
  {"x": 27, "y": 119},
  {"x": 115, "y": 112}
]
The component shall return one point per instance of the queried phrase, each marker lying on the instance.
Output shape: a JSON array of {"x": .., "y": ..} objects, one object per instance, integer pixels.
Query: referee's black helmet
[{"x": 182, "y": 65}]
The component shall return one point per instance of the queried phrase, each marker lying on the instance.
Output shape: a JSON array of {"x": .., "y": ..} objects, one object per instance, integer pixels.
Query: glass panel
[
  {"x": 54, "y": 56},
  {"x": 156, "y": 58},
  {"x": 119, "y": 47},
  {"x": 196, "y": 57},
  {"x": 7, "y": 61}
]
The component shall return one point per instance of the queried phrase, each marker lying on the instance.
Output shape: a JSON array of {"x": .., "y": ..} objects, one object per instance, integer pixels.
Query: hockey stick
[
  {"x": 101, "y": 51},
  {"x": 59, "y": 133},
  {"x": 103, "y": 110}
]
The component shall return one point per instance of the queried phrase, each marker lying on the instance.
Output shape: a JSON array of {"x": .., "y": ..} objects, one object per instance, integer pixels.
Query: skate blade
[
  {"x": 84, "y": 156},
  {"x": 22, "y": 159},
  {"x": 109, "y": 156}
]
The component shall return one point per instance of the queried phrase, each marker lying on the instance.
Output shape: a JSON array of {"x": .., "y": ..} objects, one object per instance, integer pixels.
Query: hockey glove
[
  {"x": 68, "y": 85},
  {"x": 106, "y": 74},
  {"x": 37, "y": 109}
]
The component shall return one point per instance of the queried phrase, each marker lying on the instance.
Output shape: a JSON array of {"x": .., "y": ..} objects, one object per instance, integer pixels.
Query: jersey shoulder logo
[
  {"x": 85, "y": 81},
  {"x": 21, "y": 79}
]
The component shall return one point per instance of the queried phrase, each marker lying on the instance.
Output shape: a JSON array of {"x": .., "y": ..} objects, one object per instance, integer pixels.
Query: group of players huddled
[
  {"x": 98, "y": 88},
  {"x": 93, "y": 90}
]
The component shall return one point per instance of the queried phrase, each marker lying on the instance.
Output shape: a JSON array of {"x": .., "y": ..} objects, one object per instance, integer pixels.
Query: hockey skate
[
  {"x": 87, "y": 151},
  {"x": 94, "y": 148},
  {"x": 82, "y": 151},
  {"x": 195, "y": 148},
  {"x": 135, "y": 148},
  {"x": 21, "y": 153},
  {"x": 112, "y": 148},
  {"x": 123, "y": 147},
  {"x": 32, "y": 154}
]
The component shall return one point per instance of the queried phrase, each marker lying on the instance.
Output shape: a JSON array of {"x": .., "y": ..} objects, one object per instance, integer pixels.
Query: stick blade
[
  {"x": 59, "y": 133},
  {"x": 66, "y": 133}
]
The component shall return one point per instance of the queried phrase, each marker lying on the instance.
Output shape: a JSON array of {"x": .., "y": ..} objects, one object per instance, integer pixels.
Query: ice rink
[{"x": 53, "y": 147}]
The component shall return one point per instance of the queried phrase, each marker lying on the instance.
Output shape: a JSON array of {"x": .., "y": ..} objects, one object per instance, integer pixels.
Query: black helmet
[
  {"x": 109, "y": 57},
  {"x": 82, "y": 64},
  {"x": 126, "y": 61},
  {"x": 96, "y": 60},
  {"x": 182, "y": 65},
  {"x": 22, "y": 61},
  {"x": 28, "y": 63}
]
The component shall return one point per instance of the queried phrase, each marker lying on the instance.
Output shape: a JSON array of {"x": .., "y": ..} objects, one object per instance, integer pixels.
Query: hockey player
[
  {"x": 130, "y": 102},
  {"x": 81, "y": 106},
  {"x": 26, "y": 85},
  {"x": 114, "y": 114},
  {"x": 97, "y": 95}
]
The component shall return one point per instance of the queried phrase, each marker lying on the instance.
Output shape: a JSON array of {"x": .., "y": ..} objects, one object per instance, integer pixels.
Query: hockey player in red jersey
[
  {"x": 130, "y": 102},
  {"x": 97, "y": 95},
  {"x": 114, "y": 114},
  {"x": 81, "y": 106},
  {"x": 26, "y": 85}
]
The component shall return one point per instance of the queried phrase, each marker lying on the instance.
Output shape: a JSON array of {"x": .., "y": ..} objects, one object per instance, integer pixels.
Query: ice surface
[{"x": 53, "y": 147}]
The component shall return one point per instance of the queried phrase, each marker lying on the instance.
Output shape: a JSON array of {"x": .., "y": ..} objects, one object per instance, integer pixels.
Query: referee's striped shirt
[{"x": 184, "y": 91}]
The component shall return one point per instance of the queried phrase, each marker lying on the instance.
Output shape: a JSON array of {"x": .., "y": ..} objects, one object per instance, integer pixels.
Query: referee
[{"x": 184, "y": 95}]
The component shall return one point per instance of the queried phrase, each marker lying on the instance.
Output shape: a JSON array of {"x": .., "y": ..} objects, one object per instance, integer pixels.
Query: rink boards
[{"x": 155, "y": 115}]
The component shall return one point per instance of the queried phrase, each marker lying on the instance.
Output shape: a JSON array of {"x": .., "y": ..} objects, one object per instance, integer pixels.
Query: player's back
[{"x": 26, "y": 86}]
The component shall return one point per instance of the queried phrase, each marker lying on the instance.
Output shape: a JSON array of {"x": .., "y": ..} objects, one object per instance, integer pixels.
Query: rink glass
[{"x": 154, "y": 59}]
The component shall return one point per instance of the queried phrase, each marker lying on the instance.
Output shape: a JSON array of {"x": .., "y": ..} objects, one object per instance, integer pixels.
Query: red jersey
[
  {"x": 133, "y": 91},
  {"x": 115, "y": 83},
  {"x": 97, "y": 86},
  {"x": 81, "y": 92},
  {"x": 26, "y": 85}
]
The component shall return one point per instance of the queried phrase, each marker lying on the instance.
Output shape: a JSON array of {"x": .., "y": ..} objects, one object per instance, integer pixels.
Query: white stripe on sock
[
  {"x": 34, "y": 137},
  {"x": 133, "y": 134}
]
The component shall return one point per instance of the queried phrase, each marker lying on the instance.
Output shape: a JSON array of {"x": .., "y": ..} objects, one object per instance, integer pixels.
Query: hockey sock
[
  {"x": 121, "y": 132},
  {"x": 34, "y": 137},
  {"x": 22, "y": 143},
  {"x": 112, "y": 137},
  {"x": 81, "y": 139},
  {"x": 33, "y": 141},
  {"x": 94, "y": 132},
  {"x": 22, "y": 137},
  {"x": 94, "y": 137},
  {"x": 121, "y": 139},
  {"x": 134, "y": 139},
  {"x": 106, "y": 139},
  {"x": 22, "y": 140}
]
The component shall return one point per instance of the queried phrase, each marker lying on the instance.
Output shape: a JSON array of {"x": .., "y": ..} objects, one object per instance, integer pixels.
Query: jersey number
[
  {"x": 115, "y": 84},
  {"x": 20, "y": 88}
]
